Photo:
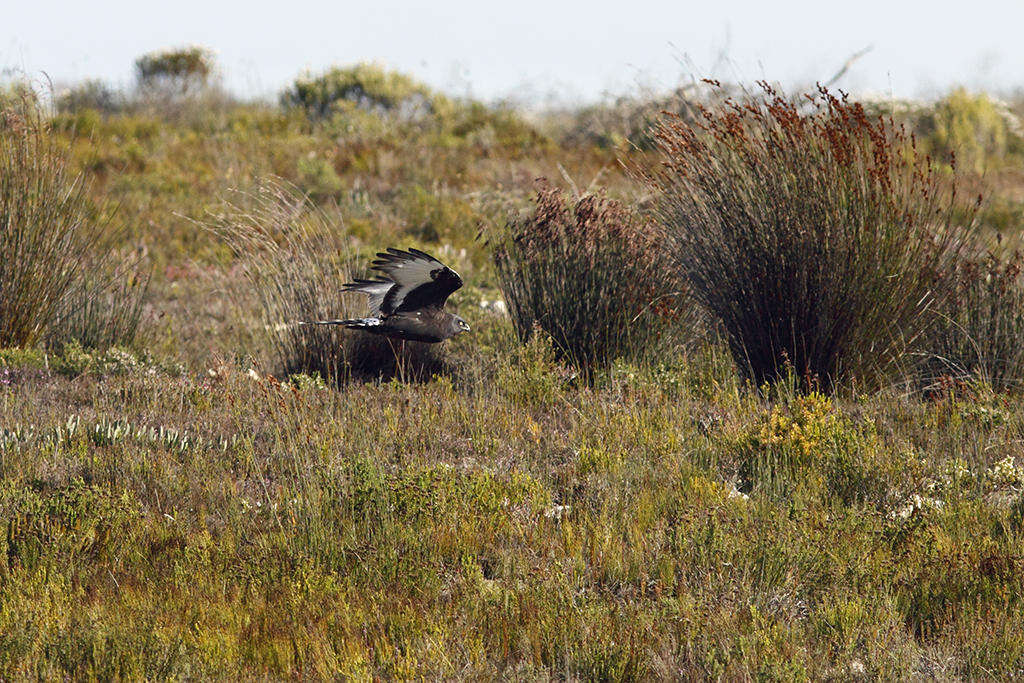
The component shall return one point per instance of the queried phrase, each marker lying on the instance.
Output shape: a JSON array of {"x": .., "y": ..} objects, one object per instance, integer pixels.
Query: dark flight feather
[{"x": 421, "y": 280}]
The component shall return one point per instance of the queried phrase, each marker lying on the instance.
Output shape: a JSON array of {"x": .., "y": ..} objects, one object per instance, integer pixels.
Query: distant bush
[
  {"x": 979, "y": 332},
  {"x": 976, "y": 128},
  {"x": 176, "y": 71},
  {"x": 814, "y": 233},
  {"x": 90, "y": 94},
  {"x": 630, "y": 121},
  {"x": 362, "y": 86},
  {"x": 294, "y": 262},
  {"x": 318, "y": 178},
  {"x": 590, "y": 274},
  {"x": 490, "y": 127},
  {"x": 624, "y": 121},
  {"x": 58, "y": 270}
]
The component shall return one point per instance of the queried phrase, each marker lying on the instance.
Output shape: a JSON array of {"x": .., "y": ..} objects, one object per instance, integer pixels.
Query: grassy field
[{"x": 176, "y": 506}]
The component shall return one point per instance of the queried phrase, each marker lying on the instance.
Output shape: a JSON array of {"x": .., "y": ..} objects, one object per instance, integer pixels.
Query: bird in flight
[{"x": 408, "y": 301}]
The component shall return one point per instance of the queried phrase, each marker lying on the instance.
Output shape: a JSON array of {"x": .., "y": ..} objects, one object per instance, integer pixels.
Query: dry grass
[
  {"x": 294, "y": 259},
  {"x": 977, "y": 334}
]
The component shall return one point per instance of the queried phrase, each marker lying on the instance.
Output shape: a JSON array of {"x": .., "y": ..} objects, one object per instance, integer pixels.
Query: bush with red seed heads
[{"x": 813, "y": 233}]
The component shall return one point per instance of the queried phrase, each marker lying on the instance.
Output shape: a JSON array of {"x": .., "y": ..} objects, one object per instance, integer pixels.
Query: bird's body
[{"x": 408, "y": 303}]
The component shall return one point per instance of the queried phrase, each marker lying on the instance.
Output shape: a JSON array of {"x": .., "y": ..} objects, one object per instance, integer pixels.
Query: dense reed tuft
[
  {"x": 814, "y": 233},
  {"x": 589, "y": 273},
  {"x": 60, "y": 278},
  {"x": 979, "y": 333}
]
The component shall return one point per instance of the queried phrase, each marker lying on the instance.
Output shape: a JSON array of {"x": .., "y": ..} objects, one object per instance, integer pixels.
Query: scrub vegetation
[{"x": 742, "y": 397}]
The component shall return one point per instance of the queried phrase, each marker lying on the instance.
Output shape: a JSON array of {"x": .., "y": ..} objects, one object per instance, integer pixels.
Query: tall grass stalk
[
  {"x": 294, "y": 262},
  {"x": 104, "y": 307}
]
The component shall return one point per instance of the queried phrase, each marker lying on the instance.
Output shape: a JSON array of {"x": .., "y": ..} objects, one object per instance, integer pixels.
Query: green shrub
[
  {"x": 362, "y": 86},
  {"x": 811, "y": 231},
  {"x": 175, "y": 71},
  {"x": 318, "y": 178},
  {"x": 90, "y": 94},
  {"x": 435, "y": 215},
  {"x": 487, "y": 128},
  {"x": 806, "y": 447},
  {"x": 58, "y": 269},
  {"x": 976, "y": 128},
  {"x": 589, "y": 273}
]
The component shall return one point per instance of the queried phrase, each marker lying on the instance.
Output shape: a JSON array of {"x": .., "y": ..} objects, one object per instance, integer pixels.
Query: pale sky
[{"x": 535, "y": 50}]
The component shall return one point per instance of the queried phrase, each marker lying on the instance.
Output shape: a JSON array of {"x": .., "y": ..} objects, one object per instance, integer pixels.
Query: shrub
[
  {"x": 590, "y": 274},
  {"x": 362, "y": 86},
  {"x": 979, "y": 332},
  {"x": 177, "y": 71},
  {"x": 803, "y": 447},
  {"x": 490, "y": 128},
  {"x": 976, "y": 128},
  {"x": 294, "y": 261},
  {"x": 318, "y": 178},
  {"x": 627, "y": 121},
  {"x": 91, "y": 94},
  {"x": 56, "y": 274},
  {"x": 812, "y": 232}
]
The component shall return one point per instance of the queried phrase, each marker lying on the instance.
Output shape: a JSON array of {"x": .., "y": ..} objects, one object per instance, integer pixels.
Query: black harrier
[{"x": 409, "y": 302}]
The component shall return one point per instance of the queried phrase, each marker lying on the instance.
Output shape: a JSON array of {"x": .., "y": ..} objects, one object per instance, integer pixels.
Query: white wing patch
[
  {"x": 376, "y": 290},
  {"x": 364, "y": 322}
]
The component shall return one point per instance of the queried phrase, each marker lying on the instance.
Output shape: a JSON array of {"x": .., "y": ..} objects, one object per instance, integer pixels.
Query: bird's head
[{"x": 459, "y": 325}]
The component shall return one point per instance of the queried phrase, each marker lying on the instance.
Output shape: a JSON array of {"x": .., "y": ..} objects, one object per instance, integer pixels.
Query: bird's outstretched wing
[{"x": 421, "y": 281}]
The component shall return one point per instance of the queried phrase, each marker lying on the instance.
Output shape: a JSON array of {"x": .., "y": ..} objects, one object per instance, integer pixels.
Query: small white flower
[
  {"x": 1006, "y": 473},
  {"x": 556, "y": 512},
  {"x": 914, "y": 504},
  {"x": 736, "y": 493}
]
